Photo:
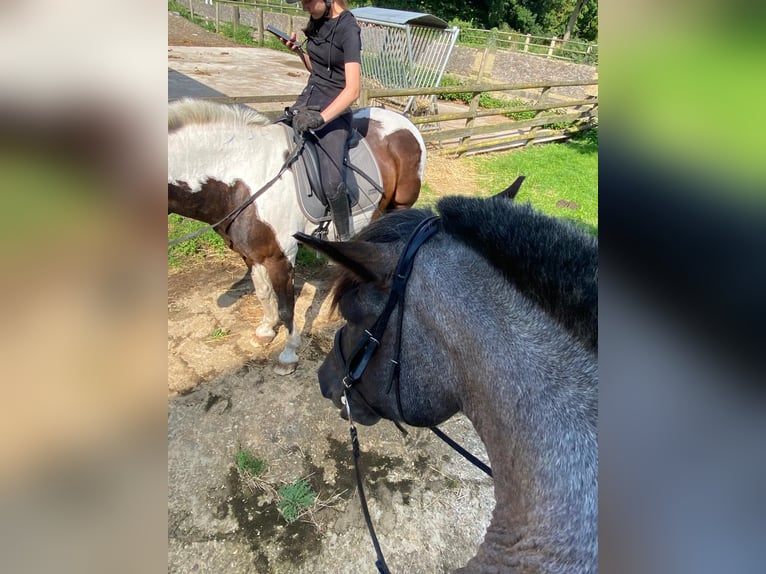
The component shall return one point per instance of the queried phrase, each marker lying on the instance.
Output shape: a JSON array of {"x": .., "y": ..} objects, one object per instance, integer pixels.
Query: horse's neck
[
  {"x": 536, "y": 416},
  {"x": 528, "y": 387}
]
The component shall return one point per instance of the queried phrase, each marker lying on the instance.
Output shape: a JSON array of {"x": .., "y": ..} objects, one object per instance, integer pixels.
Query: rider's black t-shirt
[{"x": 334, "y": 43}]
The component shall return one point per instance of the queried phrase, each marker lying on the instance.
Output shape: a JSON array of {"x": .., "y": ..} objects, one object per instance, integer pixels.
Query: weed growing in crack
[
  {"x": 220, "y": 333},
  {"x": 250, "y": 464},
  {"x": 295, "y": 499}
]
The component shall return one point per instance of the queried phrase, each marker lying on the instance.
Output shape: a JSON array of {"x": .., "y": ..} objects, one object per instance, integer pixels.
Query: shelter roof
[{"x": 389, "y": 16}]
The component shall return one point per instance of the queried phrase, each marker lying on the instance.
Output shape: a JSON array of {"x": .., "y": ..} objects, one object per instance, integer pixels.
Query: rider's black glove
[{"x": 306, "y": 119}]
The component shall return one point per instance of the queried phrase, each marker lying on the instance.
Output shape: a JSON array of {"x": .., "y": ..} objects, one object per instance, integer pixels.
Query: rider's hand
[
  {"x": 307, "y": 119},
  {"x": 293, "y": 44}
]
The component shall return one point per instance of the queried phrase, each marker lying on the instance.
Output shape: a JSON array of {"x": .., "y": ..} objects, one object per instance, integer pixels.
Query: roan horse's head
[
  {"x": 363, "y": 346},
  {"x": 498, "y": 320}
]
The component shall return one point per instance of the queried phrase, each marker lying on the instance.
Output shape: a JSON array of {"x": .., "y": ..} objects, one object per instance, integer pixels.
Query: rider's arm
[
  {"x": 349, "y": 94},
  {"x": 295, "y": 46}
]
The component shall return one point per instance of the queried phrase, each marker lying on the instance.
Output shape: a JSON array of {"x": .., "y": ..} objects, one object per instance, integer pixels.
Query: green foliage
[
  {"x": 247, "y": 462},
  {"x": 308, "y": 259},
  {"x": 294, "y": 498},
  {"x": 220, "y": 333},
  {"x": 206, "y": 244},
  {"x": 486, "y": 101},
  {"x": 178, "y": 7},
  {"x": 462, "y": 24}
]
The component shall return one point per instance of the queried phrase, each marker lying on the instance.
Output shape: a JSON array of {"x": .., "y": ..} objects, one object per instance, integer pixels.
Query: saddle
[{"x": 362, "y": 176}]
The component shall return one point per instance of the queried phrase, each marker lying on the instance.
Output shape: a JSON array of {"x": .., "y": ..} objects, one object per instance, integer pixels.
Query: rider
[{"x": 333, "y": 56}]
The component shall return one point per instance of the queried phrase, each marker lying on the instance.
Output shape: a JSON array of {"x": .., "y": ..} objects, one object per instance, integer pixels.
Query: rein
[
  {"x": 296, "y": 151},
  {"x": 362, "y": 354}
]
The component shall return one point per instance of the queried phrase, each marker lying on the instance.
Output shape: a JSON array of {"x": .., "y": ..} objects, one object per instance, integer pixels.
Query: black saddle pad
[{"x": 362, "y": 177}]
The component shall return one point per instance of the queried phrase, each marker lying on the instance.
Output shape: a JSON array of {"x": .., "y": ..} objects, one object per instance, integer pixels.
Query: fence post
[
  {"x": 488, "y": 58},
  {"x": 552, "y": 46},
  {"x": 191, "y": 9},
  {"x": 235, "y": 21},
  {"x": 217, "y": 20},
  {"x": 526, "y": 42},
  {"x": 259, "y": 24},
  {"x": 470, "y": 121},
  {"x": 364, "y": 97}
]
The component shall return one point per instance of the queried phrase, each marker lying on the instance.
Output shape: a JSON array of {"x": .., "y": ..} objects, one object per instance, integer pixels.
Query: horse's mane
[
  {"x": 550, "y": 261},
  {"x": 188, "y": 111}
]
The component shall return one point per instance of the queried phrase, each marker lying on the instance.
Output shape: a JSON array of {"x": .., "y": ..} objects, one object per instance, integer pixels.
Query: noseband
[{"x": 362, "y": 355}]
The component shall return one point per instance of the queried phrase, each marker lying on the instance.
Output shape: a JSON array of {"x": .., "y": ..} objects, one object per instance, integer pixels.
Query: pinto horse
[
  {"x": 219, "y": 156},
  {"x": 511, "y": 342}
]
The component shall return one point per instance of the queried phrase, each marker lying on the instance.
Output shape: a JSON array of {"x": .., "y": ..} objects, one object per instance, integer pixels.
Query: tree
[{"x": 573, "y": 19}]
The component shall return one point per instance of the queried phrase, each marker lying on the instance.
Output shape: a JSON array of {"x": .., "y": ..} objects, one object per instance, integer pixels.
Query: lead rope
[
  {"x": 380, "y": 563},
  {"x": 467, "y": 455},
  {"x": 237, "y": 210}
]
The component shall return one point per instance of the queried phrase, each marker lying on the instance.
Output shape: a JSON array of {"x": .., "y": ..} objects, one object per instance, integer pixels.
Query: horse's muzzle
[
  {"x": 330, "y": 379},
  {"x": 331, "y": 384}
]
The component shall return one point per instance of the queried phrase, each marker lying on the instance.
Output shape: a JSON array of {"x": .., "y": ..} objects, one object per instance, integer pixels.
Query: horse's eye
[{"x": 351, "y": 312}]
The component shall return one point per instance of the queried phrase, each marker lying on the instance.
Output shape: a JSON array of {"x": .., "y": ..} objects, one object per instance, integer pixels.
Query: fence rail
[
  {"x": 483, "y": 130},
  {"x": 478, "y": 130},
  {"x": 550, "y": 47}
]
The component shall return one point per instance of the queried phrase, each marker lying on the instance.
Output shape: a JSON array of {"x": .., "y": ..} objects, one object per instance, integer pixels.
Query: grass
[
  {"x": 249, "y": 463},
  {"x": 206, "y": 244},
  {"x": 295, "y": 498},
  {"x": 243, "y": 34},
  {"x": 307, "y": 259},
  {"x": 220, "y": 333},
  {"x": 561, "y": 178}
]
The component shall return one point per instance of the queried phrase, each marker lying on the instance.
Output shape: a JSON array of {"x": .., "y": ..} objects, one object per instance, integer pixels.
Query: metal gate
[{"x": 403, "y": 49}]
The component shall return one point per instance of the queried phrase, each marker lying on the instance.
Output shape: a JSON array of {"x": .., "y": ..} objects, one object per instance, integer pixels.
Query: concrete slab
[{"x": 206, "y": 72}]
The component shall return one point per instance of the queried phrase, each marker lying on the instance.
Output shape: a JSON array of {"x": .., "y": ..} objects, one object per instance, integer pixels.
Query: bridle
[{"x": 365, "y": 349}]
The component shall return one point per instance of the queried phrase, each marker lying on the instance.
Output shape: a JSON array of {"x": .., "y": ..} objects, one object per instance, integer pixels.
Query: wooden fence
[
  {"x": 550, "y": 47},
  {"x": 461, "y": 130},
  {"x": 477, "y": 130}
]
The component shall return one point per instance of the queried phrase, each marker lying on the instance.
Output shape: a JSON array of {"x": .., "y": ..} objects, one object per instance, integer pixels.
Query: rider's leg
[{"x": 331, "y": 149}]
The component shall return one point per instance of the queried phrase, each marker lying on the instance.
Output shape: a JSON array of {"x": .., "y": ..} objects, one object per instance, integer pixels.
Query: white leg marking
[
  {"x": 289, "y": 355},
  {"x": 265, "y": 293}
]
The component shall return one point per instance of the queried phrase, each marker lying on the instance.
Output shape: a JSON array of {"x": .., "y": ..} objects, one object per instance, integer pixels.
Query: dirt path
[{"x": 430, "y": 508}]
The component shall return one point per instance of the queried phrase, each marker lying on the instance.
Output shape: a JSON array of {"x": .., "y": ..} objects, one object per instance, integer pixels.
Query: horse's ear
[
  {"x": 510, "y": 192},
  {"x": 353, "y": 255}
]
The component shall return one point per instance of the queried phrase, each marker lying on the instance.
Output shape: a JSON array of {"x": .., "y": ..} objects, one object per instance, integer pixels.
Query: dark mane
[{"x": 550, "y": 261}]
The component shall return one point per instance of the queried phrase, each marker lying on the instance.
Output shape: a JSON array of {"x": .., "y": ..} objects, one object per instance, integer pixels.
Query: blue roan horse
[{"x": 497, "y": 320}]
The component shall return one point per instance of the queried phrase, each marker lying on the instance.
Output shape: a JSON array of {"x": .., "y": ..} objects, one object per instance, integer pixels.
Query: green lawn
[{"x": 561, "y": 178}]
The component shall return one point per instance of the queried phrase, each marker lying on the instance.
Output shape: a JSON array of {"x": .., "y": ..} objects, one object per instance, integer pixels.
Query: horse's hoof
[
  {"x": 261, "y": 340},
  {"x": 285, "y": 368}
]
